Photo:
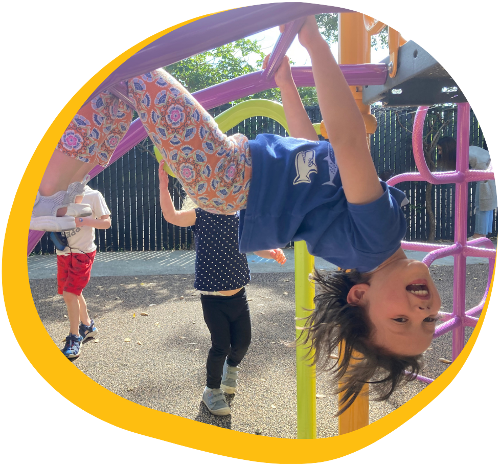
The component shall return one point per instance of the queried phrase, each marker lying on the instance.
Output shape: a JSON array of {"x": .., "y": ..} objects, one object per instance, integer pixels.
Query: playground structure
[{"x": 418, "y": 79}]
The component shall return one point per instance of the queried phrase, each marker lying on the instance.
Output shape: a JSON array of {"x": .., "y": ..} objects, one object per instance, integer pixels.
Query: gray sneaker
[
  {"x": 215, "y": 401},
  {"x": 229, "y": 379},
  {"x": 77, "y": 189}
]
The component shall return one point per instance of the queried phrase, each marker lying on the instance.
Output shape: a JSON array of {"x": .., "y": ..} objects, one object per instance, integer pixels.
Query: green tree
[
  {"x": 227, "y": 62},
  {"x": 217, "y": 65},
  {"x": 328, "y": 24}
]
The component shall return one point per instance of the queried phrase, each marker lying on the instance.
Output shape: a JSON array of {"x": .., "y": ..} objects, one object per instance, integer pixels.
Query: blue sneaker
[
  {"x": 216, "y": 402},
  {"x": 229, "y": 379},
  {"x": 72, "y": 347},
  {"x": 87, "y": 331}
]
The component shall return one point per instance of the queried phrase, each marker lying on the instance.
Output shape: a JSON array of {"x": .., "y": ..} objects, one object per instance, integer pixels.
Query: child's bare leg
[
  {"x": 59, "y": 173},
  {"x": 73, "y": 306},
  {"x": 83, "y": 171},
  {"x": 84, "y": 314}
]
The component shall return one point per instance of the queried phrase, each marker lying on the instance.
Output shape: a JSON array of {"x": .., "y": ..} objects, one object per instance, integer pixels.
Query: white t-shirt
[{"x": 81, "y": 239}]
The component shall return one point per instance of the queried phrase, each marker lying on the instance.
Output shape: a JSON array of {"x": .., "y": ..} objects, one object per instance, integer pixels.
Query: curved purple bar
[
  {"x": 446, "y": 251},
  {"x": 442, "y": 178},
  {"x": 210, "y": 32}
]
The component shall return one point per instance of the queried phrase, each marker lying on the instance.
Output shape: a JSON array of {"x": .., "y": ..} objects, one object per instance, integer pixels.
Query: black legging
[{"x": 228, "y": 319}]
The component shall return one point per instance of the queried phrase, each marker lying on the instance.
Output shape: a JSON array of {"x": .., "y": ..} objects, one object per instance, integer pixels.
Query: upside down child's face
[{"x": 402, "y": 303}]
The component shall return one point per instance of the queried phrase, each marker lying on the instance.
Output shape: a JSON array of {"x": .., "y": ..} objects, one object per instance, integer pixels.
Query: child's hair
[
  {"x": 448, "y": 159},
  {"x": 334, "y": 323}
]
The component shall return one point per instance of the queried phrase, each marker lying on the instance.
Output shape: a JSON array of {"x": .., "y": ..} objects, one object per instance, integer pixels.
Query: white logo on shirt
[
  {"x": 332, "y": 168},
  {"x": 305, "y": 164}
]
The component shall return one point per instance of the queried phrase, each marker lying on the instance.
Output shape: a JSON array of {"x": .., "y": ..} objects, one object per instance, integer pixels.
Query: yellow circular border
[{"x": 105, "y": 405}]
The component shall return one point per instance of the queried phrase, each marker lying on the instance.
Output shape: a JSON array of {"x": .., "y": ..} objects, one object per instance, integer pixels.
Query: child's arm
[
  {"x": 183, "y": 218},
  {"x": 299, "y": 124},
  {"x": 102, "y": 223},
  {"x": 277, "y": 254},
  {"x": 343, "y": 120}
]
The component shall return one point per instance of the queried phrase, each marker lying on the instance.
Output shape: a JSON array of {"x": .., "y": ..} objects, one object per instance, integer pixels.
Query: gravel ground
[{"x": 153, "y": 328}]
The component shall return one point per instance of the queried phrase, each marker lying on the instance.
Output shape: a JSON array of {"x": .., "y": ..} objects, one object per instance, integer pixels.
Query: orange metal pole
[{"x": 354, "y": 48}]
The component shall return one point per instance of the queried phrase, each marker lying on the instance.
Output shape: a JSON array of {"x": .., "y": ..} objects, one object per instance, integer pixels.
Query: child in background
[
  {"x": 486, "y": 193},
  {"x": 221, "y": 273},
  {"x": 287, "y": 189},
  {"x": 74, "y": 264}
]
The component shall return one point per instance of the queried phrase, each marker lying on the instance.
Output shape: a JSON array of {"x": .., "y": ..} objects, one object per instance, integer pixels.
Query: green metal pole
[{"x": 306, "y": 374}]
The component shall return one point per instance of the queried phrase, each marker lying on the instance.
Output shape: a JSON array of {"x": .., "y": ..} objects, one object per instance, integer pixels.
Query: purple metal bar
[
  {"x": 421, "y": 378},
  {"x": 252, "y": 83},
  {"x": 282, "y": 45},
  {"x": 210, "y": 32},
  {"x": 445, "y": 316},
  {"x": 452, "y": 250},
  {"x": 479, "y": 175},
  {"x": 424, "y": 247},
  {"x": 461, "y": 207},
  {"x": 450, "y": 324},
  {"x": 477, "y": 309},
  {"x": 470, "y": 251},
  {"x": 470, "y": 321}
]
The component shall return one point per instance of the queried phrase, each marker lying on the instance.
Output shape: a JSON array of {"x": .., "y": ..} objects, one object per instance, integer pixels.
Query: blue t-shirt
[
  {"x": 296, "y": 194},
  {"x": 219, "y": 264}
]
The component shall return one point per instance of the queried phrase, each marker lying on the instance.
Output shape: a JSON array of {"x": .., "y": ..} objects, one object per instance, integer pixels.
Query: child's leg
[
  {"x": 73, "y": 306},
  {"x": 220, "y": 334},
  {"x": 90, "y": 139},
  {"x": 84, "y": 314},
  {"x": 241, "y": 329},
  {"x": 214, "y": 169},
  {"x": 95, "y": 132}
]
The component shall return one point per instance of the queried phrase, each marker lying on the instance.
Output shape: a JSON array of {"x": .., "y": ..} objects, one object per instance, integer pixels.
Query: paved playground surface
[{"x": 148, "y": 298}]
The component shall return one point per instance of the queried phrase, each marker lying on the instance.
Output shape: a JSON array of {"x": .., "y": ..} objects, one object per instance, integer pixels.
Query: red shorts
[{"x": 73, "y": 272}]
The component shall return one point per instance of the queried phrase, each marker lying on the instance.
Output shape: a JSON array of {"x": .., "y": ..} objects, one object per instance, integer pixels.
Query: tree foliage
[
  {"x": 328, "y": 24},
  {"x": 228, "y": 62}
]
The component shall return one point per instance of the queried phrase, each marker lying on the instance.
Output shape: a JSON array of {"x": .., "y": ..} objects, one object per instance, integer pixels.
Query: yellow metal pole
[
  {"x": 306, "y": 374},
  {"x": 354, "y": 48}
]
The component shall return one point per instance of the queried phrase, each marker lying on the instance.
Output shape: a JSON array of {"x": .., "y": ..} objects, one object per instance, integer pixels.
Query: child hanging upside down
[{"x": 287, "y": 189}]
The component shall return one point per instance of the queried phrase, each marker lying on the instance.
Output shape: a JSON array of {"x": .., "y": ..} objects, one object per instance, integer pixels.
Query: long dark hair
[
  {"x": 448, "y": 159},
  {"x": 336, "y": 325}
]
